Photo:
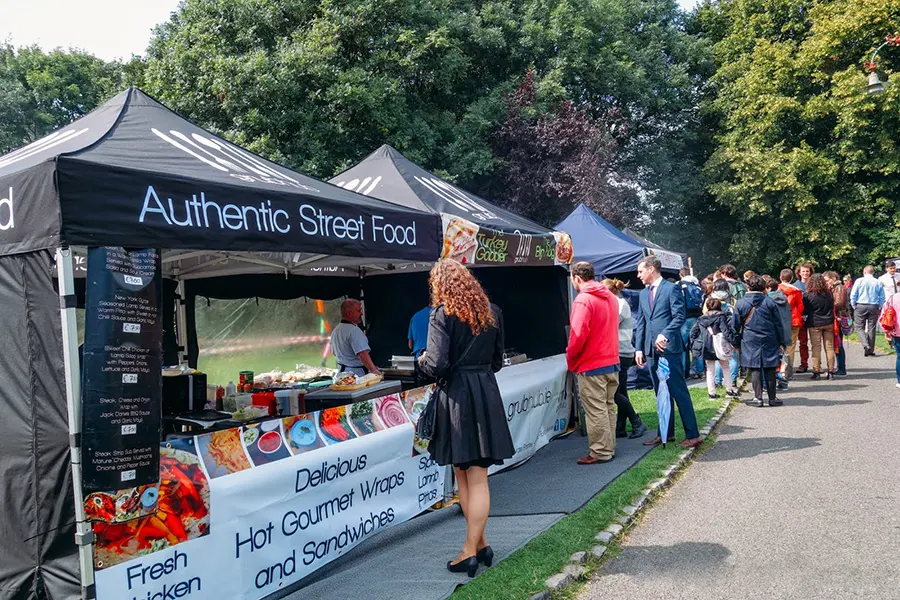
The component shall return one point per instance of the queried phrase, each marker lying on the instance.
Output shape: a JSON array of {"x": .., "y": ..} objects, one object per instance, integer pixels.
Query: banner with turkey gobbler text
[{"x": 471, "y": 244}]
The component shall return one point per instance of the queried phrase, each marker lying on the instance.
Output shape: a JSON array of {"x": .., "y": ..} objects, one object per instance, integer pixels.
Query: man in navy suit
[{"x": 657, "y": 334}]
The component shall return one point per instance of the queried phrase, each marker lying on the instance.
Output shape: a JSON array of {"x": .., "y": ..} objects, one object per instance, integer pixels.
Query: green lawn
[
  {"x": 222, "y": 368},
  {"x": 523, "y": 574},
  {"x": 881, "y": 344}
]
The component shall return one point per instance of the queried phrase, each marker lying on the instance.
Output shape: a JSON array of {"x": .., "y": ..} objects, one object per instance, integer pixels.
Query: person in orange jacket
[{"x": 795, "y": 301}]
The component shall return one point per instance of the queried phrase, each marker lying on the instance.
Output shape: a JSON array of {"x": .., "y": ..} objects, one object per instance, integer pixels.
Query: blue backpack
[{"x": 693, "y": 299}]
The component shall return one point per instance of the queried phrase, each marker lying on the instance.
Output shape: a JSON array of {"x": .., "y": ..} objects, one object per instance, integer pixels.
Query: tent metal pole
[
  {"x": 65, "y": 266},
  {"x": 181, "y": 321},
  {"x": 362, "y": 297}
]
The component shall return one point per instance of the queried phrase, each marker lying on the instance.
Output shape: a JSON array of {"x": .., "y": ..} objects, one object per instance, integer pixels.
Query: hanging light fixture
[{"x": 875, "y": 86}]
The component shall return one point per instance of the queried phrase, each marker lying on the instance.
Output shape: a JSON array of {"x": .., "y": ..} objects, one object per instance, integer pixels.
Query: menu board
[{"x": 122, "y": 369}]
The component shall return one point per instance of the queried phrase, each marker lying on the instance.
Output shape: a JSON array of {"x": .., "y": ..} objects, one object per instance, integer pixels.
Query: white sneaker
[{"x": 898, "y": 385}]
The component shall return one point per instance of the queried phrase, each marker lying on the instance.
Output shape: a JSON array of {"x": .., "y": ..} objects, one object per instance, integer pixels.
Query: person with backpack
[
  {"x": 693, "y": 306},
  {"x": 712, "y": 341},
  {"x": 737, "y": 289},
  {"x": 721, "y": 293},
  {"x": 843, "y": 323},
  {"x": 784, "y": 309},
  {"x": 890, "y": 325},
  {"x": 760, "y": 332}
]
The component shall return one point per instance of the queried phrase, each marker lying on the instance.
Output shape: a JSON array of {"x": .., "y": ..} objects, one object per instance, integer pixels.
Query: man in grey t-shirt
[{"x": 348, "y": 342}]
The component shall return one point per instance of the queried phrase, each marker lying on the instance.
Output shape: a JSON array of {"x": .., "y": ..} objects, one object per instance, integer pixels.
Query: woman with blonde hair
[
  {"x": 464, "y": 350},
  {"x": 624, "y": 410}
]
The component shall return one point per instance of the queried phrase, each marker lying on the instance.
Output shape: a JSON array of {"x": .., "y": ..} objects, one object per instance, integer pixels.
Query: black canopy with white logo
[
  {"x": 388, "y": 175},
  {"x": 133, "y": 173}
]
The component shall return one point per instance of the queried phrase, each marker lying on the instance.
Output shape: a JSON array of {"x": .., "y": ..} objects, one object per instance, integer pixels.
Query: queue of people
[
  {"x": 714, "y": 329},
  {"x": 705, "y": 329}
]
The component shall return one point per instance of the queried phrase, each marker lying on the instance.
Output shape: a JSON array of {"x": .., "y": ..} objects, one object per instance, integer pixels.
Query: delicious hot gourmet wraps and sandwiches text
[{"x": 261, "y": 506}]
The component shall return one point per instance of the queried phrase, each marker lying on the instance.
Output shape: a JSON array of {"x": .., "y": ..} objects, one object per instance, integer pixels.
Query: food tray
[
  {"x": 373, "y": 391},
  {"x": 346, "y": 388}
]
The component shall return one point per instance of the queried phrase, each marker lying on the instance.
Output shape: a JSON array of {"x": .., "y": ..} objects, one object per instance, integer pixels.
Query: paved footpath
[{"x": 800, "y": 501}]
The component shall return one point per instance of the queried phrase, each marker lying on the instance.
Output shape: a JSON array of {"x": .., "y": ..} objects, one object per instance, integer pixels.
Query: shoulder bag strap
[{"x": 747, "y": 318}]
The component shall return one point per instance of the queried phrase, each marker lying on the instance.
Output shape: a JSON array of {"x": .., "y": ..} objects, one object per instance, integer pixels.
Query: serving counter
[{"x": 248, "y": 510}]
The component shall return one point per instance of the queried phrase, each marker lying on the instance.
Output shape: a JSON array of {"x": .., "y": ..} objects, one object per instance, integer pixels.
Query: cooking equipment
[{"x": 403, "y": 363}]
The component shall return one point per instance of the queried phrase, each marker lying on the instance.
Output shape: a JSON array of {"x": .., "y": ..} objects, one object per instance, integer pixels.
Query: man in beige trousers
[{"x": 593, "y": 355}]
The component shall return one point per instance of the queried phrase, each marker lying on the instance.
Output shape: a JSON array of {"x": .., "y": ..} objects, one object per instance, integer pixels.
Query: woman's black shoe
[
  {"x": 816, "y": 376},
  {"x": 468, "y": 566},
  {"x": 486, "y": 556}
]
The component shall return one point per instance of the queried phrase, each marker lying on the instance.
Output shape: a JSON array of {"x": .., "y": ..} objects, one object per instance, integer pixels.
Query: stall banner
[
  {"x": 471, "y": 244},
  {"x": 122, "y": 386},
  {"x": 668, "y": 260},
  {"x": 565, "y": 253},
  {"x": 538, "y": 404},
  {"x": 244, "y": 512}
]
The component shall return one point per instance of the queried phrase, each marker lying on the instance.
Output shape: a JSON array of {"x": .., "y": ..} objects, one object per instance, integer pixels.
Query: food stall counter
[{"x": 326, "y": 397}]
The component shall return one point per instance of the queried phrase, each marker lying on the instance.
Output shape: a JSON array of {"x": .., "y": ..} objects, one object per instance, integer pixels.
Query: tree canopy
[
  {"x": 804, "y": 160},
  {"x": 43, "y": 91}
]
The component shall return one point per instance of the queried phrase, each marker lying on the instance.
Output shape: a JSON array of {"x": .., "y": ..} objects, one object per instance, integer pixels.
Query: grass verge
[
  {"x": 880, "y": 342},
  {"x": 524, "y": 572},
  {"x": 222, "y": 368}
]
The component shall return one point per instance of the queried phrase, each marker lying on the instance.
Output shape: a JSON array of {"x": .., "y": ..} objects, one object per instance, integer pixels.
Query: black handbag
[{"x": 426, "y": 424}]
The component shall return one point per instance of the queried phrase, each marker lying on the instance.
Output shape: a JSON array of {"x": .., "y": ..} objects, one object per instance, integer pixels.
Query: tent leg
[
  {"x": 65, "y": 266},
  {"x": 181, "y": 323},
  {"x": 362, "y": 298}
]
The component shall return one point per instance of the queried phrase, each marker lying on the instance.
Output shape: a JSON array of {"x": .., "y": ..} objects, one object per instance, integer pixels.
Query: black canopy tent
[
  {"x": 524, "y": 289},
  {"x": 388, "y": 175},
  {"x": 134, "y": 174}
]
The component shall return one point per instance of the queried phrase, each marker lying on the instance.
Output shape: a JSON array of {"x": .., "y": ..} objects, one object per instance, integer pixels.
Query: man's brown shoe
[
  {"x": 657, "y": 441},
  {"x": 691, "y": 443},
  {"x": 590, "y": 460}
]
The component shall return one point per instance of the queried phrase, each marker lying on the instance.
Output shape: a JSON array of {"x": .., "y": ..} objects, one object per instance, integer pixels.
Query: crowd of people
[
  {"x": 717, "y": 328},
  {"x": 712, "y": 328}
]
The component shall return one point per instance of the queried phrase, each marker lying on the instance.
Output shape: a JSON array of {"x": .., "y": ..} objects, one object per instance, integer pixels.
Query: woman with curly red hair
[{"x": 465, "y": 349}]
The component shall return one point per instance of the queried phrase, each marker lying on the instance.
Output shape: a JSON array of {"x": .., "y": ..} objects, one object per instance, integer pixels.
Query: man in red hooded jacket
[{"x": 593, "y": 355}]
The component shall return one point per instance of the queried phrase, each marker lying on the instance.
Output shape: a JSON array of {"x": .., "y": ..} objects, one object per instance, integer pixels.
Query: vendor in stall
[
  {"x": 418, "y": 331},
  {"x": 349, "y": 342}
]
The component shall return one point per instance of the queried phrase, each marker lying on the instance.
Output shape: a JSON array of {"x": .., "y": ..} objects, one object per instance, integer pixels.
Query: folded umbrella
[{"x": 663, "y": 405}]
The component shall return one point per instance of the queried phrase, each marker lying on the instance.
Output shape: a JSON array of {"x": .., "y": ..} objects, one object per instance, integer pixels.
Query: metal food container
[{"x": 403, "y": 363}]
